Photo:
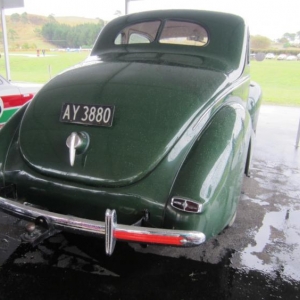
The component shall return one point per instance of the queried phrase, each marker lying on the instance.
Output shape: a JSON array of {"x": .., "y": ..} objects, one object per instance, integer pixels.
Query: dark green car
[{"x": 154, "y": 129}]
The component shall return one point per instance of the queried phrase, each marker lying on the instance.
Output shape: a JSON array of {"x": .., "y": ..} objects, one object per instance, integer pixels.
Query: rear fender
[
  {"x": 253, "y": 106},
  {"x": 212, "y": 173},
  {"x": 7, "y": 134}
]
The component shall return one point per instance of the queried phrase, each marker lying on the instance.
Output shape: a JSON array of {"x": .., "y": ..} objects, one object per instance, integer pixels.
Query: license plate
[{"x": 87, "y": 114}]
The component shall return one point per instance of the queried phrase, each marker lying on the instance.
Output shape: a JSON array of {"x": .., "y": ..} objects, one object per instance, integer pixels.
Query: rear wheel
[
  {"x": 248, "y": 161},
  {"x": 232, "y": 220}
]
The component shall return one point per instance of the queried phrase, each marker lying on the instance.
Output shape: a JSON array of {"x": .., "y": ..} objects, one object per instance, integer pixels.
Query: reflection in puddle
[
  {"x": 277, "y": 245},
  {"x": 69, "y": 273}
]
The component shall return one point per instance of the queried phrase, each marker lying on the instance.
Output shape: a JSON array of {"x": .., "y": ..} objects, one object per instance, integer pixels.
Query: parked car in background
[
  {"x": 281, "y": 57},
  {"x": 298, "y": 56},
  {"x": 146, "y": 141},
  {"x": 291, "y": 57},
  {"x": 270, "y": 56},
  {"x": 13, "y": 96}
]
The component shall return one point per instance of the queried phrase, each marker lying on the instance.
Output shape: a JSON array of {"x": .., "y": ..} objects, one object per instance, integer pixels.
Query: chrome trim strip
[{"x": 108, "y": 229}]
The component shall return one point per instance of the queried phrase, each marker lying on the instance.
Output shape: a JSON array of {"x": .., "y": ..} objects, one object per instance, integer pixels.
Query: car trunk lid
[{"x": 153, "y": 105}]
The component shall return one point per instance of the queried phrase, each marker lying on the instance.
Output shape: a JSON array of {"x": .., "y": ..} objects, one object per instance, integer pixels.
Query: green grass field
[
  {"x": 280, "y": 80},
  {"x": 26, "y": 66}
]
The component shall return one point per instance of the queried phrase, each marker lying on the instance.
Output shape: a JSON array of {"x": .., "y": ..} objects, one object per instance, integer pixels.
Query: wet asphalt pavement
[{"x": 257, "y": 258}]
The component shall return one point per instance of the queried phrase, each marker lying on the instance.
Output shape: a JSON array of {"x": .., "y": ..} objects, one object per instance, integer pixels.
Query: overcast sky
[{"x": 265, "y": 17}]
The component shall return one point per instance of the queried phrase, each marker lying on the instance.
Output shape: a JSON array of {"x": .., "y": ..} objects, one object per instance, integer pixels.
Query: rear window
[
  {"x": 138, "y": 33},
  {"x": 183, "y": 33},
  {"x": 173, "y": 32}
]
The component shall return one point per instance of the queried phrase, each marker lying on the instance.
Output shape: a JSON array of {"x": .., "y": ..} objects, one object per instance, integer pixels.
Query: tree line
[
  {"x": 66, "y": 36},
  {"x": 58, "y": 34},
  {"x": 290, "y": 37},
  {"x": 19, "y": 18},
  {"x": 288, "y": 40}
]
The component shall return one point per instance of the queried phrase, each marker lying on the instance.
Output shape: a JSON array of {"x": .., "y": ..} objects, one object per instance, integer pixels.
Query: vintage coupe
[{"x": 154, "y": 129}]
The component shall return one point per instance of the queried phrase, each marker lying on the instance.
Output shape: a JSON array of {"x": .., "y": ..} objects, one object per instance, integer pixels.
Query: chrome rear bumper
[{"x": 109, "y": 229}]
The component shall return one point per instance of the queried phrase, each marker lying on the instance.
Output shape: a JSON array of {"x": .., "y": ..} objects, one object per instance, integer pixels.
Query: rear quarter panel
[{"x": 212, "y": 173}]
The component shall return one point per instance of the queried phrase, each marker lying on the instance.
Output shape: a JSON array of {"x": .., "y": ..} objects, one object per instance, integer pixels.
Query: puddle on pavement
[
  {"x": 275, "y": 177},
  {"x": 276, "y": 247},
  {"x": 61, "y": 270}
]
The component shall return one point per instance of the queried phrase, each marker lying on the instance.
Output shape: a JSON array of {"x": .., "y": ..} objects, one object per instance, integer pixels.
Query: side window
[
  {"x": 183, "y": 33},
  {"x": 136, "y": 38},
  {"x": 139, "y": 33},
  {"x": 118, "y": 39}
]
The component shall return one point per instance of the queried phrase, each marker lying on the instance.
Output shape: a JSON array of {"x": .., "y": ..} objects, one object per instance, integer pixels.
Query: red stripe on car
[
  {"x": 16, "y": 100},
  {"x": 149, "y": 238}
]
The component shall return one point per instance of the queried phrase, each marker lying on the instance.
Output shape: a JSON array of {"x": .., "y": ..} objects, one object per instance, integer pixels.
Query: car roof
[{"x": 227, "y": 35}]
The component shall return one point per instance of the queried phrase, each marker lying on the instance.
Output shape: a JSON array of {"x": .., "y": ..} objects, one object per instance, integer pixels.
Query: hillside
[
  {"x": 72, "y": 21},
  {"x": 23, "y": 31}
]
